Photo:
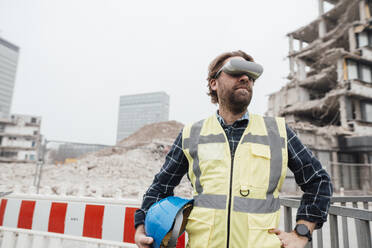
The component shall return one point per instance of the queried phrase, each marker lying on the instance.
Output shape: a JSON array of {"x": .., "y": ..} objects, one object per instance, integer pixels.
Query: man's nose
[{"x": 245, "y": 78}]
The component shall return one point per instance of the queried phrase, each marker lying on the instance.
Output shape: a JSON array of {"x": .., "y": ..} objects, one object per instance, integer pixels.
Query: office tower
[
  {"x": 8, "y": 67},
  {"x": 135, "y": 111}
]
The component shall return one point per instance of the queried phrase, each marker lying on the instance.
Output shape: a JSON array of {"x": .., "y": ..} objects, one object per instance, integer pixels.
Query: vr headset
[{"x": 239, "y": 66}]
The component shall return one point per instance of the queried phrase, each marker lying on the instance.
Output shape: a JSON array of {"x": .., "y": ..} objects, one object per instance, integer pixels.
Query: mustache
[{"x": 243, "y": 85}]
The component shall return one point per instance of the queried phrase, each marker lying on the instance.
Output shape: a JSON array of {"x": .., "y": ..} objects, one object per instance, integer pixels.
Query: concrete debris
[
  {"x": 318, "y": 108},
  {"x": 127, "y": 170},
  {"x": 326, "y": 131},
  {"x": 162, "y": 131},
  {"x": 325, "y": 79}
]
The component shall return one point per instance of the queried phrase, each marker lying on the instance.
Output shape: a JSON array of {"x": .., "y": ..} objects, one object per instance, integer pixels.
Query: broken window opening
[
  {"x": 366, "y": 109},
  {"x": 350, "y": 175},
  {"x": 349, "y": 108},
  {"x": 304, "y": 44},
  {"x": 8, "y": 154},
  {"x": 352, "y": 70},
  {"x": 359, "y": 70},
  {"x": 353, "y": 110},
  {"x": 364, "y": 39},
  {"x": 33, "y": 120},
  {"x": 366, "y": 73},
  {"x": 314, "y": 94},
  {"x": 316, "y": 119}
]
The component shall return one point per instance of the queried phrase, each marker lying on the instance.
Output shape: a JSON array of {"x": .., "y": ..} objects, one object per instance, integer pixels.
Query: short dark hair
[{"x": 216, "y": 64}]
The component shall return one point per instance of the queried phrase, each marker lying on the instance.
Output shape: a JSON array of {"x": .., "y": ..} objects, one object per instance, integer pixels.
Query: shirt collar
[{"x": 222, "y": 121}]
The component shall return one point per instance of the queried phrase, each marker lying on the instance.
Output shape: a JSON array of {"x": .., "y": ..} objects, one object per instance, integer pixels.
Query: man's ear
[{"x": 213, "y": 84}]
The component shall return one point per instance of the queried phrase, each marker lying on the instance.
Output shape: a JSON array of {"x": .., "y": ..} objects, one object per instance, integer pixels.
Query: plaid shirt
[{"x": 309, "y": 174}]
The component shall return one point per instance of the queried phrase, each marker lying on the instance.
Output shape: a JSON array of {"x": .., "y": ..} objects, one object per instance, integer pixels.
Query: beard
[{"x": 236, "y": 101}]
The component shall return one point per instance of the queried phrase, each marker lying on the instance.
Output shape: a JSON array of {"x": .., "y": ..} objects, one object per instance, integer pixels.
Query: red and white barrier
[{"x": 104, "y": 219}]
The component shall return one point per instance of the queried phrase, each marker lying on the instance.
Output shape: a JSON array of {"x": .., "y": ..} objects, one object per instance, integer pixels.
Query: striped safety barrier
[{"x": 106, "y": 221}]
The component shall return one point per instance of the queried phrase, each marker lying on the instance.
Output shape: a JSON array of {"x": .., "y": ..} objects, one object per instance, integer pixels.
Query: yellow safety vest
[{"x": 236, "y": 200}]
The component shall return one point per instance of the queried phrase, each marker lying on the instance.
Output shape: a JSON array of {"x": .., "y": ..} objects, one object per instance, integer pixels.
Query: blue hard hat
[{"x": 162, "y": 215}]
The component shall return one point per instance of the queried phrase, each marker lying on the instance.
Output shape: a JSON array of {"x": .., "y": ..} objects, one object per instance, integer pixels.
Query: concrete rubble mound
[{"x": 125, "y": 170}]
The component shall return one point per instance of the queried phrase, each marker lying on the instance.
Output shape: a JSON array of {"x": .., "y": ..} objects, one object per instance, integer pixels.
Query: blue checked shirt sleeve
[
  {"x": 170, "y": 175},
  {"x": 313, "y": 180}
]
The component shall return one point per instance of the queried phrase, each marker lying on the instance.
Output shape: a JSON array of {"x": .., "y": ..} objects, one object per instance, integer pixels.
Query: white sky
[{"x": 78, "y": 56}]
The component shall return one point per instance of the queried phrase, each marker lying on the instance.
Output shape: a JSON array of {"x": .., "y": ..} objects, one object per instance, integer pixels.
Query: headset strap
[{"x": 176, "y": 230}]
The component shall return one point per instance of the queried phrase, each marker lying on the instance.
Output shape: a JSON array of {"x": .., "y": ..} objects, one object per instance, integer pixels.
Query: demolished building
[
  {"x": 20, "y": 138},
  {"x": 328, "y": 99}
]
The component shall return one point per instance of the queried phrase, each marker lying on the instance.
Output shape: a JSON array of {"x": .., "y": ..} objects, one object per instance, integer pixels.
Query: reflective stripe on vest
[
  {"x": 192, "y": 145},
  {"x": 241, "y": 204}
]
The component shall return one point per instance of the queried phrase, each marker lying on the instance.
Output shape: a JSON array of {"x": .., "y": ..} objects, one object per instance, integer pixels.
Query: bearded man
[{"x": 237, "y": 162}]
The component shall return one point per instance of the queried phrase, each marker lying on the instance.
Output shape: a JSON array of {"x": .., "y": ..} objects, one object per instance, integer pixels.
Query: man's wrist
[
  {"x": 304, "y": 229},
  {"x": 303, "y": 232},
  {"x": 308, "y": 224},
  {"x": 137, "y": 223},
  {"x": 303, "y": 238},
  {"x": 140, "y": 227}
]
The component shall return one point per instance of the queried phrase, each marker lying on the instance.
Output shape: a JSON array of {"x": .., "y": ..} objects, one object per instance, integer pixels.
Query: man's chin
[
  {"x": 241, "y": 100},
  {"x": 239, "y": 107}
]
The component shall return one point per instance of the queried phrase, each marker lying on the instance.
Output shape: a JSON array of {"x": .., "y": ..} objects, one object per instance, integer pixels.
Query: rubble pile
[{"x": 125, "y": 170}]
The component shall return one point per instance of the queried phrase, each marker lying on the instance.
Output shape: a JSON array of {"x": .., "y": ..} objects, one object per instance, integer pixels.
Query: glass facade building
[
  {"x": 8, "y": 66},
  {"x": 135, "y": 111}
]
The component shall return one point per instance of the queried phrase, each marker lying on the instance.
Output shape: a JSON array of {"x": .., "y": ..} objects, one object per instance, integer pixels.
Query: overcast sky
[{"x": 78, "y": 56}]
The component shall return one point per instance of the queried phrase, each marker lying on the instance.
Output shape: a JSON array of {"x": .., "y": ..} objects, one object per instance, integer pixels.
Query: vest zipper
[
  {"x": 231, "y": 181},
  {"x": 229, "y": 207}
]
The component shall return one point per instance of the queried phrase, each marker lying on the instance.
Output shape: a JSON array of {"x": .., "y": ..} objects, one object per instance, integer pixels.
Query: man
[{"x": 236, "y": 162}]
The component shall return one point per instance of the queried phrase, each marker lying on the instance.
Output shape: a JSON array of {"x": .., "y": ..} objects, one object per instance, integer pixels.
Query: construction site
[
  {"x": 328, "y": 97},
  {"x": 84, "y": 195}
]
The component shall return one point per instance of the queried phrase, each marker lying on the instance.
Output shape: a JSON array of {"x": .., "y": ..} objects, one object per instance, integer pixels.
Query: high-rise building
[
  {"x": 328, "y": 99},
  {"x": 8, "y": 66},
  {"x": 135, "y": 111}
]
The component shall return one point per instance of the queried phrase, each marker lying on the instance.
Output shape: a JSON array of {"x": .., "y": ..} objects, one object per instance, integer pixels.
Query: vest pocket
[
  {"x": 263, "y": 239},
  {"x": 259, "y": 167},
  {"x": 263, "y": 221},
  {"x": 259, "y": 225},
  {"x": 260, "y": 150},
  {"x": 199, "y": 227}
]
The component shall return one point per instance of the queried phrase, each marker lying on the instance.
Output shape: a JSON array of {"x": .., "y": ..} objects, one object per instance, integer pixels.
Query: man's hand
[
  {"x": 142, "y": 241},
  {"x": 291, "y": 239}
]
